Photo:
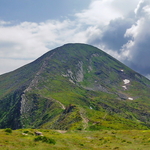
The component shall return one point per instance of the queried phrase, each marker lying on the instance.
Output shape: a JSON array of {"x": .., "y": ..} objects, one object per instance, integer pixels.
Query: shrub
[
  {"x": 116, "y": 148},
  {"x": 8, "y": 130},
  {"x": 45, "y": 139},
  {"x": 39, "y": 138},
  {"x": 26, "y": 131}
]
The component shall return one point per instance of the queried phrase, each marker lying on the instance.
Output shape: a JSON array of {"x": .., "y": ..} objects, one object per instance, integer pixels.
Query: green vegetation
[
  {"x": 75, "y": 87},
  {"x": 8, "y": 130},
  {"x": 73, "y": 140},
  {"x": 45, "y": 139}
]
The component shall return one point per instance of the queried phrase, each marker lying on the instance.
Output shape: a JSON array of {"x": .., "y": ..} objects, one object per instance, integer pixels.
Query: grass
[{"x": 75, "y": 140}]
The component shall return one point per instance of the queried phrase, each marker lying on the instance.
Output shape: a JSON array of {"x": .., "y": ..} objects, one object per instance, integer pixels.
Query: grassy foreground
[{"x": 23, "y": 139}]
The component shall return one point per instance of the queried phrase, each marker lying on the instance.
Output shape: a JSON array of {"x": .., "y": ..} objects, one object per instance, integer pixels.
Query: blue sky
[
  {"x": 29, "y": 28},
  {"x": 38, "y": 11}
]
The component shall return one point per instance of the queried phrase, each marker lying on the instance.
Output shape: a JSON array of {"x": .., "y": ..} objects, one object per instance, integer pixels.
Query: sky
[{"x": 30, "y": 28}]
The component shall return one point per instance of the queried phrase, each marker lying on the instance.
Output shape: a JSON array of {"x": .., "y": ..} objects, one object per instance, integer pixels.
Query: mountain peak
[{"x": 75, "y": 86}]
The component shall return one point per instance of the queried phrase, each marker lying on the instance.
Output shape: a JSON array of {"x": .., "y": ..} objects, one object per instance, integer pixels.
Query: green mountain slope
[{"x": 76, "y": 86}]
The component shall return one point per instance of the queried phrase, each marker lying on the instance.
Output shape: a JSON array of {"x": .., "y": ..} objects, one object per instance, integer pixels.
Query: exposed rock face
[{"x": 80, "y": 73}]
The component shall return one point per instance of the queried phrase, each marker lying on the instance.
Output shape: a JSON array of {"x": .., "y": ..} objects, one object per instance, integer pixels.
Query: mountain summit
[{"x": 75, "y": 86}]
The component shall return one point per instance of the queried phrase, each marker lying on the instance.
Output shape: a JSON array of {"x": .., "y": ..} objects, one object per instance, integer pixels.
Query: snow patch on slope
[
  {"x": 126, "y": 81},
  {"x": 125, "y": 88},
  {"x": 130, "y": 98}
]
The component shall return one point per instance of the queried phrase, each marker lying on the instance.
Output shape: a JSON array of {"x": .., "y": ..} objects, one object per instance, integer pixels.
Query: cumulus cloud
[
  {"x": 112, "y": 36},
  {"x": 125, "y": 7},
  {"x": 142, "y": 8},
  {"x": 8, "y": 64},
  {"x": 99, "y": 13},
  {"x": 138, "y": 48}
]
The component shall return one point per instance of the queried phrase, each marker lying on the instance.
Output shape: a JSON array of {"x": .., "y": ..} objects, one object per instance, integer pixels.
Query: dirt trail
[
  {"x": 61, "y": 131},
  {"x": 84, "y": 119},
  {"x": 63, "y": 107}
]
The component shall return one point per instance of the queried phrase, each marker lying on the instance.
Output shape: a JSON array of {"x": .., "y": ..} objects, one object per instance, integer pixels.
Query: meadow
[{"x": 25, "y": 139}]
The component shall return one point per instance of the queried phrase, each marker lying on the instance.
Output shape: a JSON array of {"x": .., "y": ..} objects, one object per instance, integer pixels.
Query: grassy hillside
[
  {"x": 25, "y": 139},
  {"x": 75, "y": 87}
]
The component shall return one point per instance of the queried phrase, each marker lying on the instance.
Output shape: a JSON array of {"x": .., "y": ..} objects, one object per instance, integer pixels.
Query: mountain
[{"x": 75, "y": 86}]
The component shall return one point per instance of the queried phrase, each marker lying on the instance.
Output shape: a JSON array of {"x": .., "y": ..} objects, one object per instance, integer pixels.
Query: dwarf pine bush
[
  {"x": 45, "y": 139},
  {"x": 8, "y": 130}
]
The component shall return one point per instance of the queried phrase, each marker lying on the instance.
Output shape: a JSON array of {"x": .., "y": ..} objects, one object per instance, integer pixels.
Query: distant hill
[{"x": 75, "y": 87}]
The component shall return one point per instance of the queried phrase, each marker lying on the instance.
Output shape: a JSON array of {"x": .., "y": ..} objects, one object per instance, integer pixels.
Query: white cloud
[
  {"x": 138, "y": 6},
  {"x": 142, "y": 8},
  {"x": 7, "y": 64},
  {"x": 138, "y": 48},
  {"x": 30, "y": 40},
  {"x": 19, "y": 42},
  {"x": 4, "y": 23},
  {"x": 147, "y": 9},
  {"x": 125, "y": 6},
  {"x": 100, "y": 12},
  {"x": 139, "y": 44},
  {"x": 134, "y": 30},
  {"x": 148, "y": 76}
]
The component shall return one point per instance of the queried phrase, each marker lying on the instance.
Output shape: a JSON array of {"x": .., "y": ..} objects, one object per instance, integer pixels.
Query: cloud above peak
[
  {"x": 99, "y": 12},
  {"x": 27, "y": 41}
]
